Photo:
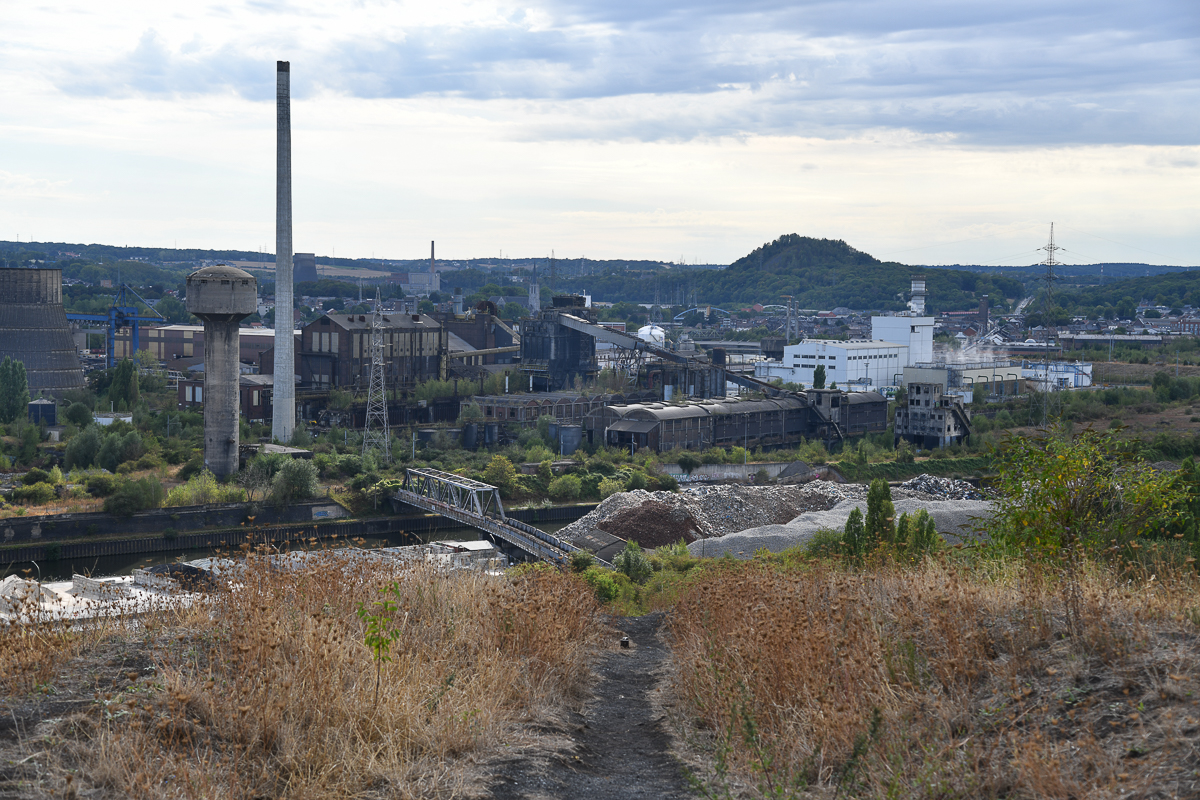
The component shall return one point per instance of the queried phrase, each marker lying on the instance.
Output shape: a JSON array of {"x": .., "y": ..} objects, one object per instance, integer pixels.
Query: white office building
[{"x": 861, "y": 366}]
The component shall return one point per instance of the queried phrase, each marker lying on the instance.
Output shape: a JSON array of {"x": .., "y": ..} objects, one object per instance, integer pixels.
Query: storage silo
[{"x": 34, "y": 329}]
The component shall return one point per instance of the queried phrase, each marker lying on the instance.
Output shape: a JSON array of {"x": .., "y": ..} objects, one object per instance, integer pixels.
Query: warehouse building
[{"x": 335, "y": 351}]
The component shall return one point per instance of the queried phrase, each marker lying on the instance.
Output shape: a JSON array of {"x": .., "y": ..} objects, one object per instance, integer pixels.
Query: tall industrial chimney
[{"x": 283, "y": 420}]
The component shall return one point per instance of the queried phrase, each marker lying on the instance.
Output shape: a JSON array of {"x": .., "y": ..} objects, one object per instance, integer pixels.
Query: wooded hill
[{"x": 820, "y": 273}]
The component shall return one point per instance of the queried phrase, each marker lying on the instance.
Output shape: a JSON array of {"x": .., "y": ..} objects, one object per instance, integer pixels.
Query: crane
[{"x": 121, "y": 314}]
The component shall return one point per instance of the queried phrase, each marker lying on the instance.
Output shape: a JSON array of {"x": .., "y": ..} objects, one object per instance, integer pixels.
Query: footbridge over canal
[{"x": 478, "y": 505}]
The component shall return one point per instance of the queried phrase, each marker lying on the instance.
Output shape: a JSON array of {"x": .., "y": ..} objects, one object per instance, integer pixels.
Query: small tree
[
  {"x": 78, "y": 415},
  {"x": 14, "y": 390},
  {"x": 688, "y": 462},
  {"x": 819, "y": 377},
  {"x": 881, "y": 514},
  {"x": 501, "y": 473},
  {"x": 296, "y": 480},
  {"x": 633, "y": 563},
  {"x": 855, "y": 535}
]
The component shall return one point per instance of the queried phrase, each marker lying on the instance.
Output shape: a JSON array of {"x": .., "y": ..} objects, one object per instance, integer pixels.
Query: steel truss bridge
[{"x": 478, "y": 505}]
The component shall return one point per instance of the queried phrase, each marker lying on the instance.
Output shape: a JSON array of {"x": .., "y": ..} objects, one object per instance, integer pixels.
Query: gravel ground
[{"x": 952, "y": 518}]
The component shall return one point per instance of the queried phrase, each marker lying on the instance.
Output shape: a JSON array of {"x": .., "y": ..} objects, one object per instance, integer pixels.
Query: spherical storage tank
[{"x": 652, "y": 334}]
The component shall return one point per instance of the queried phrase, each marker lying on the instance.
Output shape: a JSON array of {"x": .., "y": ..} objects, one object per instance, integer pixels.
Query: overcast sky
[{"x": 926, "y": 131}]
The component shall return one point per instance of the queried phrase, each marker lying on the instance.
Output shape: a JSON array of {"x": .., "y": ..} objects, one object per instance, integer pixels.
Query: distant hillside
[
  {"x": 1175, "y": 290},
  {"x": 820, "y": 273}
]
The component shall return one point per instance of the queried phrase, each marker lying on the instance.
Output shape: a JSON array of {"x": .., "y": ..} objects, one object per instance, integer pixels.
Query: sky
[{"x": 923, "y": 131}]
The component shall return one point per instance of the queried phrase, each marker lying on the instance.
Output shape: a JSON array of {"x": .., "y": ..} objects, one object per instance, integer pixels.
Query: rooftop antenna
[{"x": 375, "y": 434}]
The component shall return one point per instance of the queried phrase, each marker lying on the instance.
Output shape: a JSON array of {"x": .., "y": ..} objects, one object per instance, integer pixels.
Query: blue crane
[{"x": 121, "y": 314}]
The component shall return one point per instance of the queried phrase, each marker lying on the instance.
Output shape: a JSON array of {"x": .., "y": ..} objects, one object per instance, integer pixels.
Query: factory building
[
  {"x": 181, "y": 346},
  {"x": 335, "y": 351},
  {"x": 569, "y": 408},
  {"x": 34, "y": 329},
  {"x": 1046, "y": 376},
  {"x": 785, "y": 421},
  {"x": 861, "y": 366},
  {"x": 929, "y": 417}
]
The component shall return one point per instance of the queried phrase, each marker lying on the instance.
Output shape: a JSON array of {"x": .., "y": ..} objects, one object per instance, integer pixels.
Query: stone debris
[
  {"x": 941, "y": 488},
  {"x": 711, "y": 512}
]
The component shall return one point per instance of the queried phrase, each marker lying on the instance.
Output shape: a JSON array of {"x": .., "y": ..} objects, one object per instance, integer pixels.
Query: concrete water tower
[{"x": 222, "y": 296}]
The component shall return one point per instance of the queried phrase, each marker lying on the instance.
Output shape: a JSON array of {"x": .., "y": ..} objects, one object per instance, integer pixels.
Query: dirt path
[{"x": 619, "y": 747}]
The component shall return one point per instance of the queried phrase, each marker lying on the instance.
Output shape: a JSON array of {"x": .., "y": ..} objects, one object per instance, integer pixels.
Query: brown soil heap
[{"x": 653, "y": 524}]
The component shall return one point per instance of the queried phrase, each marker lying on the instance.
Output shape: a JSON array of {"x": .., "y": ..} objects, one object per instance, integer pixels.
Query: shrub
[
  {"x": 101, "y": 485},
  {"x": 133, "y": 496},
  {"x": 34, "y": 494},
  {"x": 828, "y": 543},
  {"x": 665, "y": 483},
  {"x": 581, "y": 560},
  {"x": 881, "y": 514},
  {"x": 501, "y": 473},
  {"x": 602, "y": 583},
  {"x": 203, "y": 489},
  {"x": 296, "y": 480},
  {"x": 688, "y": 462},
  {"x": 632, "y": 563},
  {"x": 855, "y": 534},
  {"x": 81, "y": 450},
  {"x": 78, "y": 415},
  {"x": 609, "y": 487},
  {"x": 35, "y": 475},
  {"x": 565, "y": 487},
  {"x": 637, "y": 480}
]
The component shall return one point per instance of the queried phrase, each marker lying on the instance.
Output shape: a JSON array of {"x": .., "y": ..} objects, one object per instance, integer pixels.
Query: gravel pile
[
  {"x": 717, "y": 510},
  {"x": 941, "y": 488},
  {"x": 652, "y": 524},
  {"x": 953, "y": 519}
]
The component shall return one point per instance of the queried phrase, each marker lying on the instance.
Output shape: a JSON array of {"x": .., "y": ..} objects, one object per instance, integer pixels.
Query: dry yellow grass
[
  {"x": 940, "y": 681},
  {"x": 269, "y": 690}
]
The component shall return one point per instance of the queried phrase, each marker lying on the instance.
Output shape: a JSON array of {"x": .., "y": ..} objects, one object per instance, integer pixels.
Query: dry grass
[
  {"x": 940, "y": 681},
  {"x": 269, "y": 690}
]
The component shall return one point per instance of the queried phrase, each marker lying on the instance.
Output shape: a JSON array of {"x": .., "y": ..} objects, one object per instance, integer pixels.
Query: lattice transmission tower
[
  {"x": 1050, "y": 263},
  {"x": 376, "y": 435}
]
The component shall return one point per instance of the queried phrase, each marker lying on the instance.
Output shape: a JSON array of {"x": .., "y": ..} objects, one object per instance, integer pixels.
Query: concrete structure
[
  {"x": 826, "y": 414},
  {"x": 305, "y": 266},
  {"x": 1045, "y": 376},
  {"x": 999, "y": 378},
  {"x": 283, "y": 420},
  {"x": 181, "y": 347},
  {"x": 222, "y": 296},
  {"x": 862, "y": 366},
  {"x": 931, "y": 418},
  {"x": 34, "y": 329},
  {"x": 916, "y": 333},
  {"x": 254, "y": 396}
]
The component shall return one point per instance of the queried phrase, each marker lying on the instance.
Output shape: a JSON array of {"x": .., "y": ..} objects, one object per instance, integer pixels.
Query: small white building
[
  {"x": 859, "y": 365},
  {"x": 1044, "y": 376}
]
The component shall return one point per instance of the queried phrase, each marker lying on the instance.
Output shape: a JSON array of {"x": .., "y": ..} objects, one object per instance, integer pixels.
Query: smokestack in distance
[
  {"x": 432, "y": 262},
  {"x": 283, "y": 415}
]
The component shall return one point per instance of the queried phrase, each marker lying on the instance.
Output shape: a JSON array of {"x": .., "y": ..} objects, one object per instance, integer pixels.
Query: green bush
[
  {"x": 101, "y": 485},
  {"x": 664, "y": 483},
  {"x": 688, "y": 462},
  {"x": 581, "y": 560},
  {"x": 133, "y": 496},
  {"x": 855, "y": 536},
  {"x": 78, "y": 415},
  {"x": 609, "y": 487},
  {"x": 565, "y": 487},
  {"x": 637, "y": 480},
  {"x": 602, "y": 583},
  {"x": 203, "y": 489},
  {"x": 829, "y": 543},
  {"x": 35, "y": 475},
  {"x": 34, "y": 494},
  {"x": 881, "y": 514},
  {"x": 633, "y": 563},
  {"x": 296, "y": 480}
]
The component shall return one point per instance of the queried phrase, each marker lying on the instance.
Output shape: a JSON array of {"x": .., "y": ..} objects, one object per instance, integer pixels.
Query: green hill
[{"x": 820, "y": 273}]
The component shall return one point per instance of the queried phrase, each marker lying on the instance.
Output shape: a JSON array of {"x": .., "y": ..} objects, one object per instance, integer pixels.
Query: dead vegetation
[
  {"x": 273, "y": 689},
  {"x": 942, "y": 680}
]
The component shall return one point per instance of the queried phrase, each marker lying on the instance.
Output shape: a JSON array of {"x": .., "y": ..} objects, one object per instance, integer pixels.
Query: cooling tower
[
  {"x": 34, "y": 329},
  {"x": 305, "y": 265}
]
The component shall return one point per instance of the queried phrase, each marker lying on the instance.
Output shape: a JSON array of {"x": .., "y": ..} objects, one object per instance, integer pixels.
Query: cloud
[{"x": 1065, "y": 72}]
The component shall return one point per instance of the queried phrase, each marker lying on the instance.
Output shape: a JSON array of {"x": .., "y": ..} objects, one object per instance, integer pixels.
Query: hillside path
[{"x": 620, "y": 748}]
